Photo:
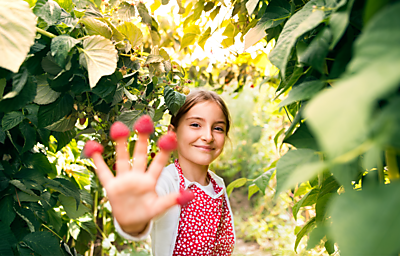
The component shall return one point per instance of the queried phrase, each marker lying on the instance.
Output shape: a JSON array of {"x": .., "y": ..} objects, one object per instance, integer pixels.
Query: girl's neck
[{"x": 194, "y": 172}]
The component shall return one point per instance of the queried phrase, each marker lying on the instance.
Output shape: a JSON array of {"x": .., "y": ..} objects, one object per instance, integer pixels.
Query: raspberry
[
  {"x": 168, "y": 141},
  {"x": 144, "y": 125},
  {"x": 119, "y": 130},
  {"x": 82, "y": 120},
  {"x": 186, "y": 90},
  {"x": 185, "y": 197},
  {"x": 152, "y": 155},
  {"x": 92, "y": 147}
]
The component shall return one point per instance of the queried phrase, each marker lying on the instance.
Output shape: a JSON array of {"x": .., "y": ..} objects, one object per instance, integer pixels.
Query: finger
[
  {"x": 140, "y": 152},
  {"x": 102, "y": 170},
  {"x": 158, "y": 163},
  {"x": 164, "y": 203},
  {"x": 122, "y": 158}
]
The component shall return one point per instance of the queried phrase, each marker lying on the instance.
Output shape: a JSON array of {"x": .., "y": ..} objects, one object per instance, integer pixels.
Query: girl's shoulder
[{"x": 217, "y": 179}]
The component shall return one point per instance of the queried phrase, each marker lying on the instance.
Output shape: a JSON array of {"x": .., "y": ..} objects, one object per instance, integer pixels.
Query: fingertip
[
  {"x": 168, "y": 141},
  {"x": 185, "y": 196}
]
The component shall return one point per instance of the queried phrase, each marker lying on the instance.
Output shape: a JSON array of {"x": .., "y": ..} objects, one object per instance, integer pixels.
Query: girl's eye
[
  {"x": 220, "y": 129},
  {"x": 195, "y": 125}
]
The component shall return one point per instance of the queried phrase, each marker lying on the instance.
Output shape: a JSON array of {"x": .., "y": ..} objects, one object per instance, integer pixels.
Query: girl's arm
[{"x": 131, "y": 192}]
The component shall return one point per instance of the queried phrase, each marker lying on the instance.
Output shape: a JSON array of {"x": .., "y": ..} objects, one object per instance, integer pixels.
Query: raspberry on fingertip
[
  {"x": 119, "y": 130},
  {"x": 92, "y": 147},
  {"x": 144, "y": 125},
  {"x": 168, "y": 141}
]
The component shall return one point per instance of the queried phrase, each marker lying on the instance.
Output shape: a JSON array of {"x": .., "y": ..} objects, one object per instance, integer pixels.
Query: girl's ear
[{"x": 171, "y": 128}]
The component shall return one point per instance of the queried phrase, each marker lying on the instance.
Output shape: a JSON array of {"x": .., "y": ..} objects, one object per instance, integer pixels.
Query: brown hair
[{"x": 198, "y": 96}]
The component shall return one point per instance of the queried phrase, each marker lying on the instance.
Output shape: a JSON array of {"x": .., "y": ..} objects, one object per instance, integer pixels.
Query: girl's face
[{"x": 201, "y": 134}]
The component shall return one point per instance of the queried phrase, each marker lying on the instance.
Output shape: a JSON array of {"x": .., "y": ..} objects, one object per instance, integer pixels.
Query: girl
[{"x": 146, "y": 202}]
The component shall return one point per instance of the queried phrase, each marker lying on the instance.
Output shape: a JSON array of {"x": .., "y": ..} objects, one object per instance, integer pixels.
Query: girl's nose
[{"x": 208, "y": 135}]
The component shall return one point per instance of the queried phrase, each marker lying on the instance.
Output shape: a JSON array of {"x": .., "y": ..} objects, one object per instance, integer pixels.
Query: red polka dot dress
[{"x": 205, "y": 224}]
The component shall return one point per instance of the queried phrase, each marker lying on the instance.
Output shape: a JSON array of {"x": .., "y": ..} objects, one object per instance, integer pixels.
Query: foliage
[{"x": 338, "y": 61}]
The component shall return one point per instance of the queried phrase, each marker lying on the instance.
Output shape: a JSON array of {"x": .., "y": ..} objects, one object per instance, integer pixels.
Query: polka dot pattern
[{"x": 205, "y": 225}]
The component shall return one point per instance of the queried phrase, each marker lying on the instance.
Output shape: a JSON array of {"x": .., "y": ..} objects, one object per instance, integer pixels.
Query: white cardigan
[{"x": 163, "y": 230}]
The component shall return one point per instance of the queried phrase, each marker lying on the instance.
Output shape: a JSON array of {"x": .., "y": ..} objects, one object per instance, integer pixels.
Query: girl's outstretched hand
[{"x": 131, "y": 192}]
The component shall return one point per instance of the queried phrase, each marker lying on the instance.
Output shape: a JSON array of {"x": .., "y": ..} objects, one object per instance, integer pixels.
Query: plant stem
[
  {"x": 45, "y": 33},
  {"x": 96, "y": 198},
  {"x": 52, "y": 231},
  {"x": 391, "y": 161}
]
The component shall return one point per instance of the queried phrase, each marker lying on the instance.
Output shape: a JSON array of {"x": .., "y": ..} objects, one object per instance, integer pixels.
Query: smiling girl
[{"x": 148, "y": 202}]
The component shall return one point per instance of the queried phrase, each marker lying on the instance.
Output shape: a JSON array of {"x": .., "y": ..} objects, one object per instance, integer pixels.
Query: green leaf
[
  {"x": 43, "y": 243},
  {"x": 188, "y": 39},
  {"x": 204, "y": 37},
  {"x": 39, "y": 162},
  {"x": 144, "y": 13},
  {"x": 73, "y": 212},
  {"x": 253, "y": 188},
  {"x": 315, "y": 54},
  {"x": 174, "y": 100},
  {"x": 94, "y": 26},
  {"x": 51, "y": 113},
  {"x": 303, "y": 231},
  {"x": 50, "y": 65},
  {"x": 287, "y": 174},
  {"x": 116, "y": 35},
  {"x": 302, "y": 138},
  {"x": 60, "y": 47},
  {"x": 29, "y": 134},
  {"x": 371, "y": 225},
  {"x": 308, "y": 199},
  {"x": 321, "y": 206},
  {"x": 63, "y": 125},
  {"x": 67, "y": 188},
  {"x": 375, "y": 79},
  {"x": 44, "y": 94},
  {"x": 7, "y": 213},
  {"x": 276, "y": 13},
  {"x": 126, "y": 11},
  {"x": 12, "y": 119},
  {"x": 235, "y": 184},
  {"x": 7, "y": 239},
  {"x": 301, "y": 22},
  {"x": 262, "y": 181},
  {"x": 373, "y": 7},
  {"x": 99, "y": 57},
  {"x": 129, "y": 117},
  {"x": 339, "y": 21},
  {"x": 18, "y": 83},
  {"x": 303, "y": 91},
  {"x": 50, "y": 12},
  {"x": 66, "y": 4},
  {"x": 17, "y": 34},
  {"x": 154, "y": 59},
  {"x": 316, "y": 235}
]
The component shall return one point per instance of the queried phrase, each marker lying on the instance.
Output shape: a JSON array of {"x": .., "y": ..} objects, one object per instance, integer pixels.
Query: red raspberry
[
  {"x": 92, "y": 147},
  {"x": 144, "y": 125},
  {"x": 168, "y": 141},
  {"x": 185, "y": 197},
  {"x": 82, "y": 120},
  {"x": 119, "y": 130},
  {"x": 152, "y": 155}
]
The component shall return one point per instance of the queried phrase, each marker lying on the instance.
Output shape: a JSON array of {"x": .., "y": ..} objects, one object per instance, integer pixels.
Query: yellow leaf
[
  {"x": 188, "y": 39},
  {"x": 132, "y": 33},
  {"x": 155, "y": 5}
]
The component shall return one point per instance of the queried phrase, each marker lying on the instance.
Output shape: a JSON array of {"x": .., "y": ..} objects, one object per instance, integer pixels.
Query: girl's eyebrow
[{"x": 202, "y": 119}]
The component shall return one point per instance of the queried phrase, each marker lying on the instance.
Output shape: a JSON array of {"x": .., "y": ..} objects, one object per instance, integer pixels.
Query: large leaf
[
  {"x": 308, "y": 199},
  {"x": 18, "y": 30},
  {"x": 366, "y": 82},
  {"x": 126, "y": 11},
  {"x": 45, "y": 95},
  {"x": 51, "y": 113},
  {"x": 94, "y": 26},
  {"x": 174, "y": 100},
  {"x": 99, "y": 57},
  {"x": 70, "y": 207},
  {"x": 18, "y": 83},
  {"x": 367, "y": 222},
  {"x": 301, "y": 22},
  {"x": 43, "y": 243},
  {"x": 60, "y": 47},
  {"x": 303, "y": 91},
  {"x": 144, "y": 13},
  {"x": 339, "y": 21},
  {"x": 290, "y": 165},
  {"x": 132, "y": 33},
  {"x": 315, "y": 53},
  {"x": 276, "y": 13},
  {"x": 12, "y": 119},
  {"x": 50, "y": 12},
  {"x": 129, "y": 117},
  {"x": 302, "y": 138}
]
